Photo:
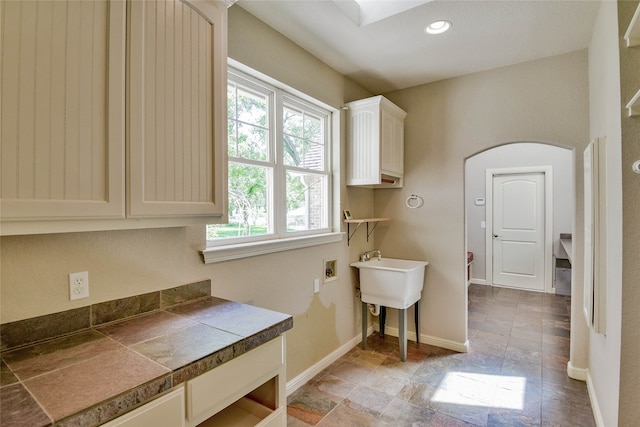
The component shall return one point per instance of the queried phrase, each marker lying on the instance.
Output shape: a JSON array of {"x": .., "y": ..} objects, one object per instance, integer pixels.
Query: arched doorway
[{"x": 558, "y": 163}]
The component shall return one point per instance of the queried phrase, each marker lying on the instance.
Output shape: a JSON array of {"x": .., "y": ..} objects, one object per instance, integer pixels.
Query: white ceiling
[{"x": 389, "y": 50}]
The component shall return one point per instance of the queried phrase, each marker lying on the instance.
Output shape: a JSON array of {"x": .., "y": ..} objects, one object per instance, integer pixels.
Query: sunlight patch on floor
[{"x": 468, "y": 388}]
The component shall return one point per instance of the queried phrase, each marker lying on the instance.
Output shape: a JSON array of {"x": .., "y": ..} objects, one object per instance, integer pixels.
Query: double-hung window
[{"x": 279, "y": 166}]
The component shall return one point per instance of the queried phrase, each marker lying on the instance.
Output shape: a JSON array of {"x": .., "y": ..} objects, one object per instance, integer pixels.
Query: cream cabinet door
[
  {"x": 62, "y": 109},
  {"x": 177, "y": 109},
  {"x": 392, "y": 142}
]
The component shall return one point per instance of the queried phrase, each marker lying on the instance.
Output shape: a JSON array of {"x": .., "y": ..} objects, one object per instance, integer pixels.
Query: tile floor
[{"x": 513, "y": 375}]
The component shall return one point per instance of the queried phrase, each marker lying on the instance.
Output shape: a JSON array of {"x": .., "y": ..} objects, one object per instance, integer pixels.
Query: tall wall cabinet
[
  {"x": 112, "y": 115},
  {"x": 375, "y": 149}
]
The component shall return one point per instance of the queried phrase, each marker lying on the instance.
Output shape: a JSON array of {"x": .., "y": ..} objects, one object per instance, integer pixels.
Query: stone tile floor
[{"x": 513, "y": 375}]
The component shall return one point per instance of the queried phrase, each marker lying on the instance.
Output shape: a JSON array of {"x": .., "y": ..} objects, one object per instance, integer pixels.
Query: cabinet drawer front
[
  {"x": 211, "y": 392},
  {"x": 167, "y": 410}
]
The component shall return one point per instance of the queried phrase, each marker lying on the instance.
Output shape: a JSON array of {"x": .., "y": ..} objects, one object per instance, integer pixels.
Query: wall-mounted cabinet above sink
[{"x": 375, "y": 148}]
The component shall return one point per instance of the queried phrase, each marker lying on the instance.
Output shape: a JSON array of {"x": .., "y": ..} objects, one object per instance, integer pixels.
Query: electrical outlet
[{"x": 78, "y": 285}]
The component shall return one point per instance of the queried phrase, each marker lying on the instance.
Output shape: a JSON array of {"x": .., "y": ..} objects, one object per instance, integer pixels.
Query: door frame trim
[{"x": 548, "y": 219}]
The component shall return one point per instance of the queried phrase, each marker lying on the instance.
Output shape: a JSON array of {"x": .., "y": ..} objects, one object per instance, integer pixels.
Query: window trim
[
  {"x": 237, "y": 249},
  {"x": 213, "y": 254}
]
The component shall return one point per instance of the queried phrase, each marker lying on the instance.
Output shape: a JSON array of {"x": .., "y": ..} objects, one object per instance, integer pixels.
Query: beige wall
[
  {"x": 629, "y": 414},
  {"x": 604, "y": 90},
  {"x": 451, "y": 120}
]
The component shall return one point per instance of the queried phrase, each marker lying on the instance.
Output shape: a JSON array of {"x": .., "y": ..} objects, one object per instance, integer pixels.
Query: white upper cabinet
[
  {"x": 113, "y": 114},
  {"x": 62, "y": 113},
  {"x": 375, "y": 146}
]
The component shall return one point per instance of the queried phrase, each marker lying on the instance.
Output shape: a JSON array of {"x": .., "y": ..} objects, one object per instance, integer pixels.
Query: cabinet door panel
[
  {"x": 392, "y": 144},
  {"x": 364, "y": 156},
  {"x": 62, "y": 111},
  {"x": 177, "y": 106}
]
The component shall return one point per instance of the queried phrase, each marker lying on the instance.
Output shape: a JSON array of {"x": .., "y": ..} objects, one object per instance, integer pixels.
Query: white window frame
[{"x": 235, "y": 248}]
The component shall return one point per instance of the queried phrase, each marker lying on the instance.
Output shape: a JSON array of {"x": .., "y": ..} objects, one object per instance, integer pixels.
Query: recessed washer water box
[{"x": 330, "y": 270}]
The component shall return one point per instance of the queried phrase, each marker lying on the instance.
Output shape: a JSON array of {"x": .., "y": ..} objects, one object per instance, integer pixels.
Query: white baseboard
[
  {"x": 583, "y": 374},
  {"x": 579, "y": 374},
  {"x": 595, "y": 406},
  {"x": 314, "y": 370},
  {"x": 478, "y": 281},
  {"x": 427, "y": 339}
]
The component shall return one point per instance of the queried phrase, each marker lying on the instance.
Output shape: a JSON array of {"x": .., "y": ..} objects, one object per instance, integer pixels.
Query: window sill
[{"x": 245, "y": 250}]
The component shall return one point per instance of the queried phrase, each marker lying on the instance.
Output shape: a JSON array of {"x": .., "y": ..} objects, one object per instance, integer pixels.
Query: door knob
[{"x": 495, "y": 235}]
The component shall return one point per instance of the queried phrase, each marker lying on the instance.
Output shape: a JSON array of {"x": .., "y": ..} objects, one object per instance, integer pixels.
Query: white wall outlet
[
  {"x": 316, "y": 286},
  {"x": 78, "y": 285}
]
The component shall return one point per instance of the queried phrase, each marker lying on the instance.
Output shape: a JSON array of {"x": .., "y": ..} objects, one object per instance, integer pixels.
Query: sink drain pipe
[{"x": 374, "y": 309}]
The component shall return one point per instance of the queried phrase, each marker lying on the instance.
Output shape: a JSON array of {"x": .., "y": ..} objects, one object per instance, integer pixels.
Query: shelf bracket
[
  {"x": 350, "y": 234},
  {"x": 358, "y": 223},
  {"x": 369, "y": 232}
]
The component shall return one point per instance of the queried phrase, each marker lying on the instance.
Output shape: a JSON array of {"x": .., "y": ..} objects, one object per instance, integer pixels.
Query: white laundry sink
[{"x": 391, "y": 282}]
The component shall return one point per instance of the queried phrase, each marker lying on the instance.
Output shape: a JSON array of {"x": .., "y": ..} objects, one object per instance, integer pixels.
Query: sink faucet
[{"x": 367, "y": 255}]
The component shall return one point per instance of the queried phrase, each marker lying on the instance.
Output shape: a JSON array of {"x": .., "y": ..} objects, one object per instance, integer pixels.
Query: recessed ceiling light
[{"x": 438, "y": 27}]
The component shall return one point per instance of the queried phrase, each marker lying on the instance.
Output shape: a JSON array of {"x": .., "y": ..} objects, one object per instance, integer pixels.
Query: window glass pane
[
  {"x": 252, "y": 107},
  {"x": 304, "y": 154},
  {"x": 249, "y": 193},
  {"x": 231, "y": 100},
  {"x": 252, "y": 142},
  {"x": 314, "y": 157},
  {"x": 248, "y": 124},
  {"x": 313, "y": 129},
  {"x": 306, "y": 201},
  {"x": 293, "y": 149},
  {"x": 292, "y": 122},
  {"x": 302, "y": 140},
  {"x": 232, "y": 138}
]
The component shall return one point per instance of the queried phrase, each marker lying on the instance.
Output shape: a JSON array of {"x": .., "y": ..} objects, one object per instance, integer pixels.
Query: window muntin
[{"x": 279, "y": 169}]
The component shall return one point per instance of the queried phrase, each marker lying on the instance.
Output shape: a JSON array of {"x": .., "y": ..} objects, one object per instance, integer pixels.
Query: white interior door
[{"x": 519, "y": 231}]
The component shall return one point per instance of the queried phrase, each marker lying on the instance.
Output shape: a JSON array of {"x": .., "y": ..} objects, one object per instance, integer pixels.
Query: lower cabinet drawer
[
  {"x": 167, "y": 410},
  {"x": 247, "y": 413},
  {"x": 219, "y": 388}
]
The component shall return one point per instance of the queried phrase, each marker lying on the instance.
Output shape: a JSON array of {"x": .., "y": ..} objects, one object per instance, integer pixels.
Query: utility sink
[
  {"x": 391, "y": 282},
  {"x": 395, "y": 283}
]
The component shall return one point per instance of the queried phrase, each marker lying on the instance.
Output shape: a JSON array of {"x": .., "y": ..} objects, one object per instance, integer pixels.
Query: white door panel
[
  {"x": 518, "y": 258},
  {"x": 519, "y": 230}
]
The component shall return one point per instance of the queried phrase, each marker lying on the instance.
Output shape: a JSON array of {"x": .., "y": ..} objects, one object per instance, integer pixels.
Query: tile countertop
[{"x": 94, "y": 375}]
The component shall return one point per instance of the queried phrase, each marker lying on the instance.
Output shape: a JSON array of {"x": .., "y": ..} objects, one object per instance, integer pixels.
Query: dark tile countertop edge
[{"x": 177, "y": 301}]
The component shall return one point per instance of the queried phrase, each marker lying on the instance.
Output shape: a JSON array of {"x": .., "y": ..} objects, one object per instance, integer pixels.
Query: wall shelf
[
  {"x": 359, "y": 222},
  {"x": 632, "y": 36},
  {"x": 633, "y": 106}
]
